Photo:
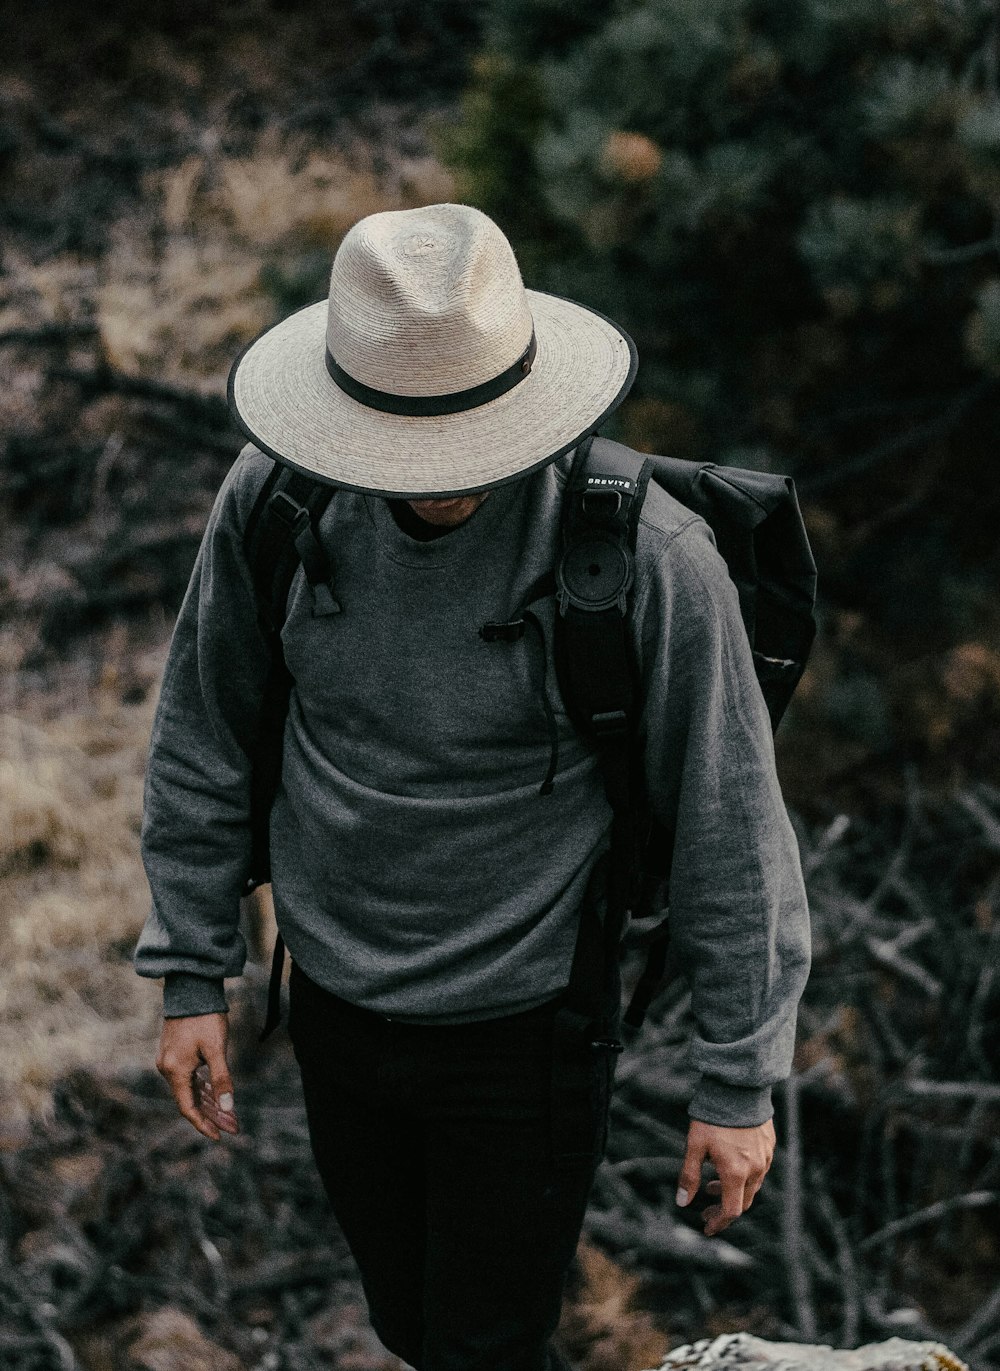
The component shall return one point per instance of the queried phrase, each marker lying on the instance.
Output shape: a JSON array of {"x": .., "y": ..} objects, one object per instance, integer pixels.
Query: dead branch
[
  {"x": 976, "y": 1199},
  {"x": 984, "y": 1322},
  {"x": 985, "y": 819},
  {"x": 850, "y": 1286},
  {"x": 796, "y": 1271},
  {"x": 985, "y": 1091}
]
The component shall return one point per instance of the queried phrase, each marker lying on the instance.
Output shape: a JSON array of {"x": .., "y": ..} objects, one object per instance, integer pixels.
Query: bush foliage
[{"x": 792, "y": 207}]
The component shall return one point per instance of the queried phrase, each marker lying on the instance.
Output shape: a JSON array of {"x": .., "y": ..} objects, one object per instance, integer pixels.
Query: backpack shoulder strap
[
  {"x": 595, "y": 576},
  {"x": 281, "y": 533}
]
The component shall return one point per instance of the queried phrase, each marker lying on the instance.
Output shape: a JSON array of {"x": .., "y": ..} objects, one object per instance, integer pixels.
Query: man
[{"x": 440, "y": 824}]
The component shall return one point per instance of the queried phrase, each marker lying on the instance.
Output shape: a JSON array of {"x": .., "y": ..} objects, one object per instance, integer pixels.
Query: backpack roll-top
[{"x": 759, "y": 532}]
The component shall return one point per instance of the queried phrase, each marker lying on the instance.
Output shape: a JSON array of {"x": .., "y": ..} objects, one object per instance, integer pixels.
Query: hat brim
[{"x": 288, "y": 405}]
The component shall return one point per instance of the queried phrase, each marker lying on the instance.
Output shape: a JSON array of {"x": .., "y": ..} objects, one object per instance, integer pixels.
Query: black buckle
[
  {"x": 610, "y": 725},
  {"x": 289, "y": 511},
  {"x": 606, "y": 502},
  {"x": 503, "y": 633}
]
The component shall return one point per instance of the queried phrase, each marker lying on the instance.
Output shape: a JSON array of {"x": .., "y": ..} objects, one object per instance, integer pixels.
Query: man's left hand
[{"x": 742, "y": 1157}]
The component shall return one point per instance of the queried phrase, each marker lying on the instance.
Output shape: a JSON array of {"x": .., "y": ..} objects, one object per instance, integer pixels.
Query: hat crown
[{"x": 426, "y": 301}]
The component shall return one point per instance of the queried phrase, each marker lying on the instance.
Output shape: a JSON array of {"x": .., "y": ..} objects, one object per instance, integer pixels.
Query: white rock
[{"x": 743, "y": 1350}]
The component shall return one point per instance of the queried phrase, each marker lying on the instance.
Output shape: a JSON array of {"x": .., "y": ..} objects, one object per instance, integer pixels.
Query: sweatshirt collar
[{"x": 457, "y": 543}]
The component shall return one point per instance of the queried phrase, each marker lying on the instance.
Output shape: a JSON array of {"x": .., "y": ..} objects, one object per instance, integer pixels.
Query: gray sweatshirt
[{"x": 417, "y": 869}]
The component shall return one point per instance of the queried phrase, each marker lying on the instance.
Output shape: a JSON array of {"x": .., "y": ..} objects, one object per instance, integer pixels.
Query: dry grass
[
  {"x": 188, "y": 280},
  {"x": 181, "y": 293},
  {"x": 180, "y": 312},
  {"x": 602, "y": 1326},
  {"x": 73, "y": 897},
  {"x": 73, "y": 893}
]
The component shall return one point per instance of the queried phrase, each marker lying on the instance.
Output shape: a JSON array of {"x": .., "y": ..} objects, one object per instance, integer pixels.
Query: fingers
[
  {"x": 182, "y": 1086},
  {"x": 209, "y": 1104},
  {"x": 752, "y": 1186},
  {"x": 719, "y": 1216},
  {"x": 221, "y": 1085},
  {"x": 738, "y": 1191},
  {"x": 742, "y": 1158},
  {"x": 185, "y": 1043},
  {"x": 756, "y": 1179},
  {"x": 690, "y": 1178}
]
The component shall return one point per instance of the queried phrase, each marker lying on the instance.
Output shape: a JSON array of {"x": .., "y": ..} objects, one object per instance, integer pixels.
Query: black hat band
[{"x": 426, "y": 406}]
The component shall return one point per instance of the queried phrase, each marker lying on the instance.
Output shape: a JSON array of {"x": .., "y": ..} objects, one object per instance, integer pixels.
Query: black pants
[{"x": 458, "y": 1161}]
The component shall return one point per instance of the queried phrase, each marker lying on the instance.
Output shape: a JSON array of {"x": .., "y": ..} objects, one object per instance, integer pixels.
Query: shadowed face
[{"x": 448, "y": 513}]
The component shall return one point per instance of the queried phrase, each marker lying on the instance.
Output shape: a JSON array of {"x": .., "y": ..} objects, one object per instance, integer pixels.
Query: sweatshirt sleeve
[
  {"x": 738, "y": 912},
  {"x": 195, "y": 837}
]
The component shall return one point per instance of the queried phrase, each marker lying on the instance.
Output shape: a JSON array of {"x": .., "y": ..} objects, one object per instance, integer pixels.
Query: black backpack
[{"x": 759, "y": 532}]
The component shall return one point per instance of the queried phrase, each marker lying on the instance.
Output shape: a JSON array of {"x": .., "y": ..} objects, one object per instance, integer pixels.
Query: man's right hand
[{"x": 205, "y": 1097}]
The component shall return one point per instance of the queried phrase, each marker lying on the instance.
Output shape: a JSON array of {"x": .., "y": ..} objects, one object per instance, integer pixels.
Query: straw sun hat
[{"x": 430, "y": 370}]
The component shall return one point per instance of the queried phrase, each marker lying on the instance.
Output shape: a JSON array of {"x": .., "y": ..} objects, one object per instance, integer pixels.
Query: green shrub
[{"x": 790, "y": 204}]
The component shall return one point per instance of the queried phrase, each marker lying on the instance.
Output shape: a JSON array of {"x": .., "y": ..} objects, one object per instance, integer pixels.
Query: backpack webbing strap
[
  {"x": 265, "y": 773},
  {"x": 596, "y": 681},
  {"x": 651, "y": 979},
  {"x": 585, "y": 994},
  {"x": 284, "y": 520},
  {"x": 263, "y": 495},
  {"x": 649, "y": 897},
  {"x": 273, "y": 1017},
  {"x": 586, "y": 1023},
  {"x": 281, "y": 534}
]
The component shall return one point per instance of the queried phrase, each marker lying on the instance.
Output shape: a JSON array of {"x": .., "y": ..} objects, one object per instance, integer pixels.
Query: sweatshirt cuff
[
  {"x": 731, "y": 1106},
  {"x": 185, "y": 995}
]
